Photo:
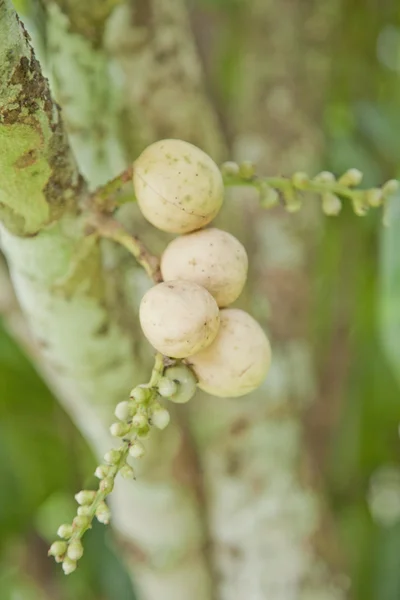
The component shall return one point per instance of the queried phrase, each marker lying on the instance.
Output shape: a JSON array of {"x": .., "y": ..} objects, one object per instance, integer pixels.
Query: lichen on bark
[{"x": 39, "y": 179}]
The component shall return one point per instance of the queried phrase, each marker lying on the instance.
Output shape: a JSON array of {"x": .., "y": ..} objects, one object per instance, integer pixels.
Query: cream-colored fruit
[
  {"x": 178, "y": 187},
  {"x": 210, "y": 257},
  {"x": 237, "y": 361},
  {"x": 179, "y": 318}
]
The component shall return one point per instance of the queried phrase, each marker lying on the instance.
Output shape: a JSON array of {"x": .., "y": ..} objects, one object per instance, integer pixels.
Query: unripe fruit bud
[
  {"x": 292, "y": 200},
  {"x": 68, "y": 566},
  {"x": 166, "y": 387},
  {"x": 212, "y": 258},
  {"x": 124, "y": 410},
  {"x": 178, "y": 187},
  {"x": 127, "y": 472},
  {"x": 85, "y": 497},
  {"x": 103, "y": 513},
  {"x": 139, "y": 421},
  {"x": 390, "y": 187},
  {"x": 81, "y": 522},
  {"x": 144, "y": 433},
  {"x": 374, "y": 197},
  {"x": 137, "y": 450},
  {"x": 352, "y": 177},
  {"x": 247, "y": 169},
  {"x": 160, "y": 417},
  {"x": 268, "y": 196},
  {"x": 179, "y": 318},
  {"x": 107, "y": 485},
  {"x": 331, "y": 204},
  {"x": 112, "y": 457},
  {"x": 237, "y": 361},
  {"x": 75, "y": 550},
  {"x": 359, "y": 205},
  {"x": 300, "y": 180},
  {"x": 119, "y": 429},
  {"x": 84, "y": 510},
  {"x": 102, "y": 471},
  {"x": 57, "y": 548},
  {"x": 65, "y": 531},
  {"x": 141, "y": 393},
  {"x": 186, "y": 381},
  {"x": 230, "y": 168},
  {"x": 324, "y": 177}
]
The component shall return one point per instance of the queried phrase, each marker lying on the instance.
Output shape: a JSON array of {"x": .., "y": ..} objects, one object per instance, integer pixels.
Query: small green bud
[
  {"x": 112, "y": 457},
  {"x": 124, "y": 410},
  {"x": 139, "y": 421},
  {"x": 292, "y": 200},
  {"x": 167, "y": 387},
  {"x": 324, "y": 177},
  {"x": 119, "y": 429},
  {"x": 57, "y": 548},
  {"x": 85, "y": 497},
  {"x": 230, "y": 168},
  {"x": 247, "y": 169},
  {"x": 293, "y": 207},
  {"x": 300, "y": 180},
  {"x": 331, "y": 204},
  {"x": 268, "y": 196},
  {"x": 386, "y": 214},
  {"x": 160, "y": 417},
  {"x": 103, "y": 513},
  {"x": 127, "y": 472},
  {"x": 65, "y": 531},
  {"x": 68, "y": 566},
  {"x": 81, "y": 522},
  {"x": 75, "y": 550},
  {"x": 140, "y": 394},
  {"x": 351, "y": 178},
  {"x": 102, "y": 471},
  {"x": 374, "y": 197},
  {"x": 137, "y": 450},
  {"x": 84, "y": 511},
  {"x": 144, "y": 433},
  {"x": 359, "y": 206},
  {"x": 107, "y": 485},
  {"x": 186, "y": 381},
  {"x": 390, "y": 187}
]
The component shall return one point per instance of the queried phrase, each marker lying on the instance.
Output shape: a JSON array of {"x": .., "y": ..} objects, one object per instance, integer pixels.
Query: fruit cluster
[{"x": 180, "y": 190}]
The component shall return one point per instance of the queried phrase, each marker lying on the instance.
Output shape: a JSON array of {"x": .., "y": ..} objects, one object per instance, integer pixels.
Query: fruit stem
[{"x": 108, "y": 227}]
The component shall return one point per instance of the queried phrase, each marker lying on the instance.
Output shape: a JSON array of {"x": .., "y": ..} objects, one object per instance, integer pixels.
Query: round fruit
[
  {"x": 178, "y": 187},
  {"x": 179, "y": 318},
  {"x": 237, "y": 361},
  {"x": 185, "y": 382},
  {"x": 210, "y": 257}
]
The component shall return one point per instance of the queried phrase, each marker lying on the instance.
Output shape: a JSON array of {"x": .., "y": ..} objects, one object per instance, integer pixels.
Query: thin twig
[
  {"x": 104, "y": 197},
  {"x": 108, "y": 227}
]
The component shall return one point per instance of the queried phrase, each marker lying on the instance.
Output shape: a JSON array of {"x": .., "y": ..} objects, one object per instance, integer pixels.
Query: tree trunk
[{"x": 226, "y": 503}]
